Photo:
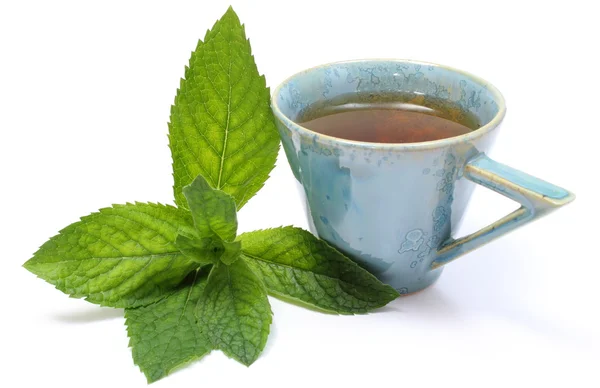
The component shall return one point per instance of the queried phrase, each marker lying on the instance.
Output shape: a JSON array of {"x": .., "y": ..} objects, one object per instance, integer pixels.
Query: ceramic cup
[{"x": 392, "y": 207}]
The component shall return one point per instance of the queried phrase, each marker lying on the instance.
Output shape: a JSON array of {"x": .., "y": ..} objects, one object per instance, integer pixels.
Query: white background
[{"x": 85, "y": 93}]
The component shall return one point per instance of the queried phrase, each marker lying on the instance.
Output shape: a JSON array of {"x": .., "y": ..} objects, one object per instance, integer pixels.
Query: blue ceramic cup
[{"x": 392, "y": 207}]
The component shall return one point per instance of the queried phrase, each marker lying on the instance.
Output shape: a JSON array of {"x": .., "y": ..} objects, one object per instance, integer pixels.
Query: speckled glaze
[{"x": 393, "y": 207}]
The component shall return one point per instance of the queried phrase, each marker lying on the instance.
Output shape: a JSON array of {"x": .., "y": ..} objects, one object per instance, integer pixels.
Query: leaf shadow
[{"x": 88, "y": 315}]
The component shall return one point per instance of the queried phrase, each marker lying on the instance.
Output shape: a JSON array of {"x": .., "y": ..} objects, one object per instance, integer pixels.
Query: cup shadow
[
  {"x": 428, "y": 303},
  {"x": 497, "y": 286},
  {"x": 89, "y": 314}
]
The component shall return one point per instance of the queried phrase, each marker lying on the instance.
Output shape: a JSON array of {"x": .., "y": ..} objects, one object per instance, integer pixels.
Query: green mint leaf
[
  {"x": 164, "y": 335},
  {"x": 203, "y": 251},
  {"x": 232, "y": 252},
  {"x": 221, "y": 125},
  {"x": 208, "y": 250},
  {"x": 235, "y": 311},
  {"x": 215, "y": 220},
  {"x": 122, "y": 256},
  {"x": 295, "y": 264},
  {"x": 213, "y": 210}
]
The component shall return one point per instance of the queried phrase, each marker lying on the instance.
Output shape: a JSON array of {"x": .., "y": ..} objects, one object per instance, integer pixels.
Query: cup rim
[{"x": 493, "y": 123}]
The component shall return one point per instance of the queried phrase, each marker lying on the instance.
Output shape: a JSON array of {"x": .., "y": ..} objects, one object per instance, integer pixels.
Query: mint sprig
[{"x": 188, "y": 283}]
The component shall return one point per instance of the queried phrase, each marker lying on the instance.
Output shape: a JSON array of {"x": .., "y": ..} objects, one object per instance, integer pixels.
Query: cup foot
[
  {"x": 422, "y": 283},
  {"x": 417, "y": 291}
]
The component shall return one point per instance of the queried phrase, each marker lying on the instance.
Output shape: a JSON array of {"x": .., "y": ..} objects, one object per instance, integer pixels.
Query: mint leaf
[
  {"x": 208, "y": 251},
  {"x": 295, "y": 264},
  {"x": 221, "y": 124},
  {"x": 231, "y": 252},
  {"x": 202, "y": 251},
  {"x": 122, "y": 256},
  {"x": 235, "y": 311},
  {"x": 213, "y": 210},
  {"x": 215, "y": 220},
  {"x": 164, "y": 335}
]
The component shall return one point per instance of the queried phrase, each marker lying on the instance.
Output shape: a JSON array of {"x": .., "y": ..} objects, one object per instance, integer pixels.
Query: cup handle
[{"x": 537, "y": 198}]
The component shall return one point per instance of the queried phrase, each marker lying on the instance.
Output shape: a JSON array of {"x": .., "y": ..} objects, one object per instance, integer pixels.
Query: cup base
[
  {"x": 422, "y": 283},
  {"x": 419, "y": 290}
]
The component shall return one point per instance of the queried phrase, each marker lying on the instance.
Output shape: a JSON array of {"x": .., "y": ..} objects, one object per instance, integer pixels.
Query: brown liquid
[{"x": 388, "y": 118}]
